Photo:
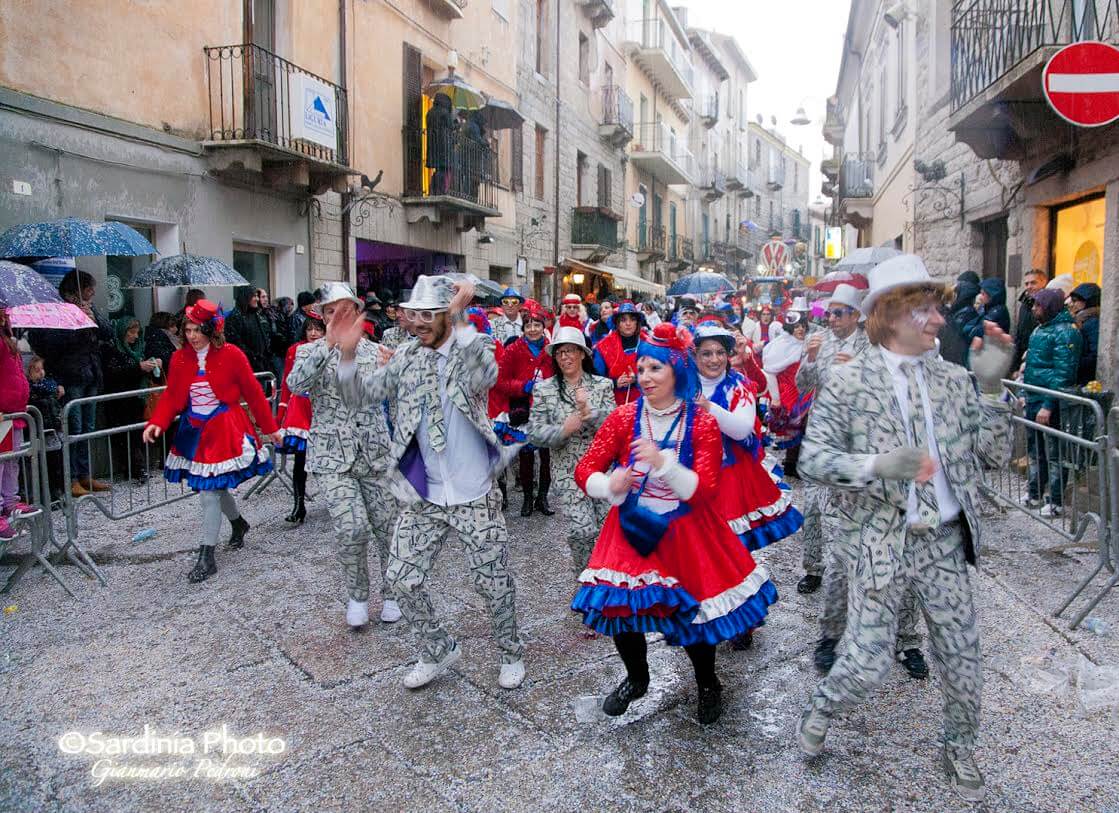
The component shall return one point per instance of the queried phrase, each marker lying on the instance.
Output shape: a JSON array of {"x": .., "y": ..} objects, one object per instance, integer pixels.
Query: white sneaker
[
  {"x": 390, "y": 611},
  {"x": 423, "y": 673},
  {"x": 1050, "y": 510},
  {"x": 1029, "y": 502},
  {"x": 357, "y": 613},
  {"x": 512, "y": 675}
]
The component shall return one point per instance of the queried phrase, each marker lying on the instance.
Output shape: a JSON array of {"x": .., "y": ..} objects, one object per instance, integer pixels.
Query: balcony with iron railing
[
  {"x": 737, "y": 176},
  {"x": 594, "y": 233},
  {"x": 707, "y": 108},
  {"x": 271, "y": 117},
  {"x": 449, "y": 9},
  {"x": 856, "y": 188},
  {"x": 775, "y": 176},
  {"x": 657, "y": 49},
  {"x": 449, "y": 172},
  {"x": 651, "y": 241},
  {"x": 617, "y": 116},
  {"x": 712, "y": 182},
  {"x": 656, "y": 149},
  {"x": 999, "y": 50}
]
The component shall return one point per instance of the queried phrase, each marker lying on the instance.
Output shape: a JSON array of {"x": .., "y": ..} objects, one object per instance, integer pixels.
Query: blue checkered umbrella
[
  {"x": 701, "y": 282},
  {"x": 72, "y": 237}
]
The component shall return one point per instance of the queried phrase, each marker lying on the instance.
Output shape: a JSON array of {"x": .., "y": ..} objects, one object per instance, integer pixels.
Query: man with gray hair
[
  {"x": 348, "y": 447},
  {"x": 442, "y": 459}
]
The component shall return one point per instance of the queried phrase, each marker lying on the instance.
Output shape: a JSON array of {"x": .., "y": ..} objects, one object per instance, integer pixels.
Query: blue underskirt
[
  {"x": 773, "y": 531},
  {"x": 231, "y": 479}
]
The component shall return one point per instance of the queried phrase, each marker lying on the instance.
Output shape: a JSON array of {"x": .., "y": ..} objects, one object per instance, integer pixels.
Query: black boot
[
  {"x": 237, "y": 540},
  {"x": 809, "y": 584},
  {"x": 824, "y": 657},
  {"x": 298, "y": 513},
  {"x": 542, "y": 500},
  {"x": 504, "y": 493},
  {"x": 526, "y": 506},
  {"x": 710, "y": 703},
  {"x": 205, "y": 567},
  {"x": 618, "y": 700},
  {"x": 914, "y": 663}
]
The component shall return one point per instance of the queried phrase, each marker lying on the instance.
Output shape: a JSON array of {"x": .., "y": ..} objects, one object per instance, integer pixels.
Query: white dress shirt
[
  {"x": 460, "y": 473},
  {"x": 946, "y": 502}
]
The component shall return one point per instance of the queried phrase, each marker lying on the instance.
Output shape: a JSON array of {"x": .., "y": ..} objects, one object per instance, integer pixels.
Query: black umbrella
[
  {"x": 187, "y": 271},
  {"x": 500, "y": 115}
]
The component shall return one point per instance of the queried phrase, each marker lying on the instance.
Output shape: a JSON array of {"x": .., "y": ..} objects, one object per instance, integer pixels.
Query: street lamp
[{"x": 801, "y": 118}]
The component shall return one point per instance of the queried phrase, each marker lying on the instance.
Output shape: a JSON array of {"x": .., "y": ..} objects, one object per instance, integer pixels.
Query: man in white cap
[
  {"x": 347, "y": 456},
  {"x": 900, "y": 435},
  {"x": 443, "y": 456},
  {"x": 823, "y": 351}
]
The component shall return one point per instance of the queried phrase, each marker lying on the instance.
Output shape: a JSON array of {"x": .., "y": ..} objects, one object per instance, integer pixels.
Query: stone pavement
[{"x": 262, "y": 649}]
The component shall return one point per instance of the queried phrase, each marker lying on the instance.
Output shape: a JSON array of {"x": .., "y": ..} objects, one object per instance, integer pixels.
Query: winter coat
[
  {"x": 44, "y": 397},
  {"x": 963, "y": 324},
  {"x": 73, "y": 357},
  {"x": 159, "y": 346},
  {"x": 13, "y": 382},
  {"x": 251, "y": 330},
  {"x": 1052, "y": 359},
  {"x": 1088, "y": 320},
  {"x": 518, "y": 372},
  {"x": 995, "y": 310},
  {"x": 1023, "y": 328}
]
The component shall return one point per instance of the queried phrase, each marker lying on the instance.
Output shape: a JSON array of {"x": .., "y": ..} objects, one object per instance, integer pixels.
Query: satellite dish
[
  {"x": 760, "y": 119},
  {"x": 636, "y": 200}
]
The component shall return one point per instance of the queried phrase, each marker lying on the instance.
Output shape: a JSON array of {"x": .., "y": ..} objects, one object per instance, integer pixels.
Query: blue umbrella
[
  {"x": 71, "y": 237},
  {"x": 186, "y": 271},
  {"x": 20, "y": 285},
  {"x": 701, "y": 282}
]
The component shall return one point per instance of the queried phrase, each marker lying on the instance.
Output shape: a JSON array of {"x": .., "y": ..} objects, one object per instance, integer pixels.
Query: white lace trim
[
  {"x": 296, "y": 432},
  {"x": 619, "y": 579},
  {"x": 742, "y": 524},
  {"x": 249, "y": 454},
  {"x": 730, "y": 600}
]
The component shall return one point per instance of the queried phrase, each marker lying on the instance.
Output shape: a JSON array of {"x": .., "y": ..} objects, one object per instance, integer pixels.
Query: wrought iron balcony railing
[
  {"x": 257, "y": 96},
  {"x": 991, "y": 37},
  {"x": 651, "y": 239},
  {"x": 617, "y": 108},
  {"x": 593, "y": 226},
  {"x": 449, "y": 165},
  {"x": 856, "y": 176}
]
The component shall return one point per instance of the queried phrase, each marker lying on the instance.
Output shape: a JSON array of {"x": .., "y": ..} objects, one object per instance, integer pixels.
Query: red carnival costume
[
  {"x": 698, "y": 584},
  {"x": 295, "y": 411},
  {"x": 616, "y": 362},
  {"x": 215, "y": 446}
]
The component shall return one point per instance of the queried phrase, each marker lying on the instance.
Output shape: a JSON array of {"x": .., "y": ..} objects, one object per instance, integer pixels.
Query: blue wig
[{"x": 668, "y": 348}]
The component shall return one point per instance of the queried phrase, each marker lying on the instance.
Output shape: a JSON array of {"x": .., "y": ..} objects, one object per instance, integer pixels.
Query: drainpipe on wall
[
  {"x": 346, "y": 196},
  {"x": 556, "y": 281}
]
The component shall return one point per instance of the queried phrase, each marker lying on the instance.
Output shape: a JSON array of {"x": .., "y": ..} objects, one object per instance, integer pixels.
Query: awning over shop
[{"x": 621, "y": 278}]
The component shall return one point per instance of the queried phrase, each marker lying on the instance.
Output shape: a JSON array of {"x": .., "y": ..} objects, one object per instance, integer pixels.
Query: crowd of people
[{"x": 660, "y": 428}]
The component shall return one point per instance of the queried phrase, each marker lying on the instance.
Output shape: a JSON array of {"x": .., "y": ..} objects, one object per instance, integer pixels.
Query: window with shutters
[
  {"x": 541, "y": 36},
  {"x": 517, "y": 153},
  {"x": 413, "y": 121},
  {"x": 541, "y": 150},
  {"x": 580, "y": 173},
  {"x": 584, "y": 59},
  {"x": 605, "y": 182}
]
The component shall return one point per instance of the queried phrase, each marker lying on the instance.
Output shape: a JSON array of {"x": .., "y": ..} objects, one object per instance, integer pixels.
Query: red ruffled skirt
[
  {"x": 220, "y": 450},
  {"x": 700, "y": 585},
  {"x": 296, "y": 426},
  {"x": 754, "y": 503}
]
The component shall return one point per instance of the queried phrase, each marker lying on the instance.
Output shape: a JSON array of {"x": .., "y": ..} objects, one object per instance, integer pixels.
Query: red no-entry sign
[{"x": 1081, "y": 82}]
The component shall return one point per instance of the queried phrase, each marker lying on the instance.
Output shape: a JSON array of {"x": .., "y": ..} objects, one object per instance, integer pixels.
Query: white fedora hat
[
  {"x": 333, "y": 292},
  {"x": 902, "y": 271},
  {"x": 568, "y": 335},
  {"x": 847, "y": 295},
  {"x": 431, "y": 293}
]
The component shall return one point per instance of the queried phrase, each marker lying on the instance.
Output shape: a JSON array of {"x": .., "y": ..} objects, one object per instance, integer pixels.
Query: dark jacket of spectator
[
  {"x": 73, "y": 357},
  {"x": 304, "y": 300},
  {"x": 995, "y": 310},
  {"x": 250, "y": 329},
  {"x": 160, "y": 341},
  {"x": 962, "y": 324},
  {"x": 1088, "y": 320},
  {"x": 121, "y": 358},
  {"x": 1023, "y": 327},
  {"x": 1054, "y": 353}
]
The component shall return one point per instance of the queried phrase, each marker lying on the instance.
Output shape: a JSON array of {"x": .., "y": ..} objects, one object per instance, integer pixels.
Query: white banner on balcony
[{"x": 313, "y": 112}]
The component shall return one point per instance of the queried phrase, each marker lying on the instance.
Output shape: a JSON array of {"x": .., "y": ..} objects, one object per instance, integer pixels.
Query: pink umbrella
[{"x": 53, "y": 315}]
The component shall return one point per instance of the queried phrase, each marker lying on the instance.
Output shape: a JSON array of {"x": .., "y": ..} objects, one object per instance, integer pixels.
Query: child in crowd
[
  {"x": 13, "y": 399},
  {"x": 46, "y": 396}
]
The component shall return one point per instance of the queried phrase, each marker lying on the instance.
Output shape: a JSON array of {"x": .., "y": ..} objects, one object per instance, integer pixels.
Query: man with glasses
[
  {"x": 443, "y": 456},
  {"x": 901, "y": 435},
  {"x": 507, "y": 325}
]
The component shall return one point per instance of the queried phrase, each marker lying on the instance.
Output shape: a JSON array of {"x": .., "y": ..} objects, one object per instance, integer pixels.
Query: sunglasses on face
[
  {"x": 420, "y": 316},
  {"x": 839, "y": 313},
  {"x": 510, "y": 302}
]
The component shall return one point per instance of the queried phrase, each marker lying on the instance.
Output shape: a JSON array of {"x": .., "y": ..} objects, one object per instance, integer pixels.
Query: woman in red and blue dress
[
  {"x": 215, "y": 447},
  {"x": 666, "y": 560},
  {"x": 295, "y": 418}
]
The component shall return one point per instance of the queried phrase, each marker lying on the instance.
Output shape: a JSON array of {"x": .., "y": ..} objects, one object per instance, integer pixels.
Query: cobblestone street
[{"x": 262, "y": 648}]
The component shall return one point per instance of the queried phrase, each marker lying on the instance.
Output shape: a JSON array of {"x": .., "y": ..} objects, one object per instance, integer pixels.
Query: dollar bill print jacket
[
  {"x": 856, "y": 415},
  {"x": 343, "y": 438}
]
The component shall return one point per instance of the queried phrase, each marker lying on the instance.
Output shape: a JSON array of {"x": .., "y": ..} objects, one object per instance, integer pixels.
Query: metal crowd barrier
[
  {"x": 1071, "y": 454},
  {"x": 132, "y": 492},
  {"x": 35, "y": 525}
]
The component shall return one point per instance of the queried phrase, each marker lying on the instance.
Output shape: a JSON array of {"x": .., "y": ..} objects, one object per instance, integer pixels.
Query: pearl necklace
[{"x": 675, "y": 408}]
